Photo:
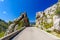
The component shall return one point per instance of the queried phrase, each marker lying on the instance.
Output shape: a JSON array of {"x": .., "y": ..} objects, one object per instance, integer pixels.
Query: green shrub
[
  {"x": 48, "y": 31},
  {"x": 48, "y": 25},
  {"x": 56, "y": 31}
]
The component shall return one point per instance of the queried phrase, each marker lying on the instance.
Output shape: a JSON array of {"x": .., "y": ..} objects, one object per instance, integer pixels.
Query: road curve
[{"x": 33, "y": 33}]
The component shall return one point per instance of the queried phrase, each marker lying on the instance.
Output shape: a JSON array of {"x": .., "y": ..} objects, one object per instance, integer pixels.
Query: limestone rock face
[{"x": 56, "y": 22}]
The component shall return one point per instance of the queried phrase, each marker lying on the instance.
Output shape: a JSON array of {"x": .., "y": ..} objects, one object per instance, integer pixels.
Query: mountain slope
[{"x": 3, "y": 25}]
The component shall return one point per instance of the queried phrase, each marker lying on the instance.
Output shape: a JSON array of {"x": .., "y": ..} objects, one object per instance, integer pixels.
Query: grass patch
[
  {"x": 54, "y": 33},
  {"x": 19, "y": 27},
  {"x": 2, "y": 34}
]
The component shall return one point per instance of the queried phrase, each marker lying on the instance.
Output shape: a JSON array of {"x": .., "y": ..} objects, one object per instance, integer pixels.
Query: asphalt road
[{"x": 33, "y": 33}]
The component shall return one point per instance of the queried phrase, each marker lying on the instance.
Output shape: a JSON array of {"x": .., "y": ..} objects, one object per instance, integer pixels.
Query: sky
[{"x": 11, "y": 9}]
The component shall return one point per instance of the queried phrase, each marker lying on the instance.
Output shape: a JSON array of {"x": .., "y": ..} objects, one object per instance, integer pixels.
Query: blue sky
[{"x": 10, "y": 9}]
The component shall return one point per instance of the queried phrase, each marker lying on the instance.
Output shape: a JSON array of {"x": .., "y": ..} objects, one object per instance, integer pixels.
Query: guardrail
[{"x": 12, "y": 35}]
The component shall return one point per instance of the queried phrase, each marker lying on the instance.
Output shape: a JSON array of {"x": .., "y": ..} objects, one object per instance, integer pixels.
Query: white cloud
[
  {"x": 4, "y": 12},
  {"x": 32, "y": 21},
  {"x": 1, "y": 0}
]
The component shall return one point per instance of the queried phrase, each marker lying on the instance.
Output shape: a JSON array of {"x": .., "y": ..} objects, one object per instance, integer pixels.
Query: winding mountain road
[{"x": 33, "y": 33}]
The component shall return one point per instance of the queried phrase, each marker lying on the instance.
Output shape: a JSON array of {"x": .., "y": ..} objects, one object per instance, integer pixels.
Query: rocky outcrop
[{"x": 13, "y": 25}]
